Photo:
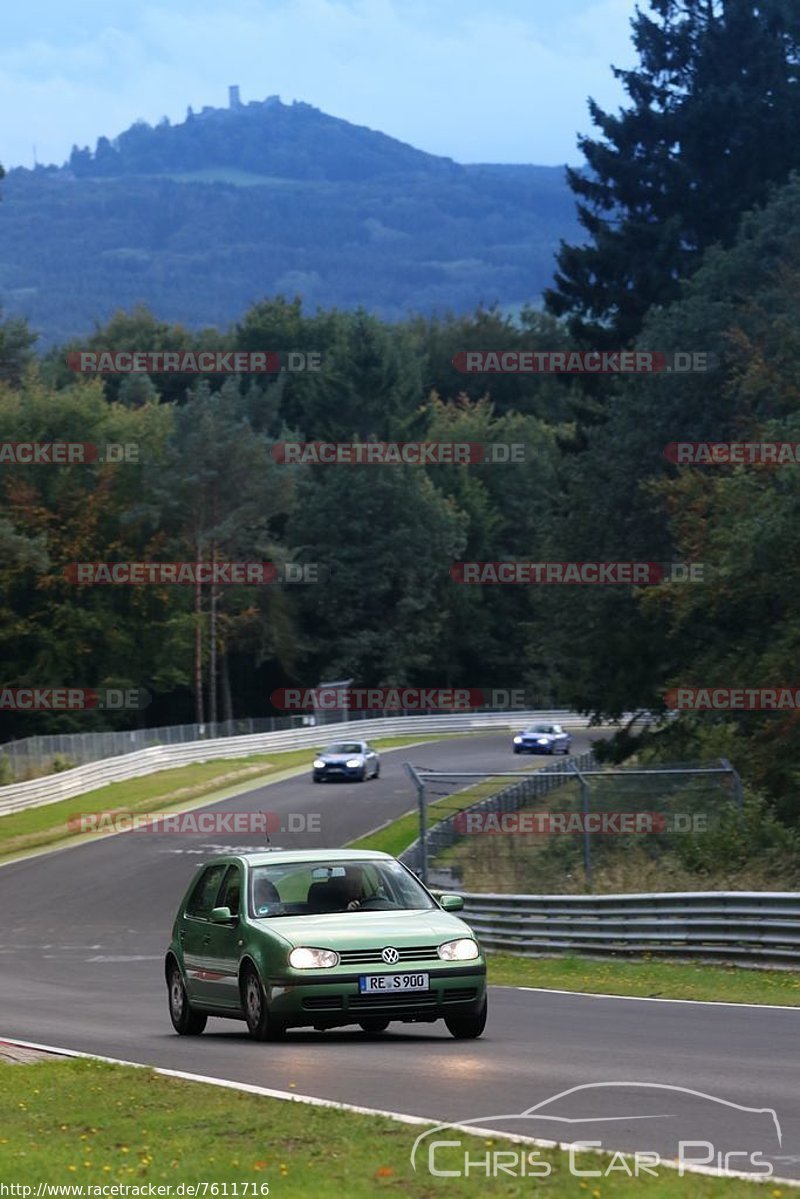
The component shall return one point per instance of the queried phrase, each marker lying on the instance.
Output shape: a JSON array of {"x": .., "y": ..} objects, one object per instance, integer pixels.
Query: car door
[
  {"x": 560, "y": 736},
  {"x": 221, "y": 984},
  {"x": 371, "y": 758},
  {"x": 195, "y": 930}
]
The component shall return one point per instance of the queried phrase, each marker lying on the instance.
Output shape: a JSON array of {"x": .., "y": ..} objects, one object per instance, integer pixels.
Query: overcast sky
[{"x": 476, "y": 80}]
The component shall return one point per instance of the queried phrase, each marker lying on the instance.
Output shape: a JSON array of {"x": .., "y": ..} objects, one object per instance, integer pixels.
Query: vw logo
[{"x": 390, "y": 956}]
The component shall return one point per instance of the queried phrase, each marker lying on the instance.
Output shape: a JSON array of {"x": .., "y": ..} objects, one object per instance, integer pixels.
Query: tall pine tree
[{"x": 711, "y": 127}]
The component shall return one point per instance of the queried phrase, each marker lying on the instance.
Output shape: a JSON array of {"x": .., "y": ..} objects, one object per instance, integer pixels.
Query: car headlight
[
  {"x": 351, "y": 763},
  {"x": 313, "y": 959},
  {"x": 320, "y": 764},
  {"x": 542, "y": 741},
  {"x": 518, "y": 741},
  {"x": 462, "y": 950}
]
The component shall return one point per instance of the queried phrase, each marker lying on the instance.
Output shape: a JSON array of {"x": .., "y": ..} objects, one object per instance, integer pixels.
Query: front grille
[
  {"x": 459, "y": 994},
  {"x": 401, "y": 1000},
  {"x": 372, "y": 957},
  {"x": 323, "y": 1003}
]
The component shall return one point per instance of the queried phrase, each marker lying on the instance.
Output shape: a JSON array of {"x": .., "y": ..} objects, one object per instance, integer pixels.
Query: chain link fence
[{"x": 569, "y": 827}]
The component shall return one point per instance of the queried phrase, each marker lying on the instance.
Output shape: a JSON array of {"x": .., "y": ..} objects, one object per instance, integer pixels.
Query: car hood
[{"x": 366, "y": 930}]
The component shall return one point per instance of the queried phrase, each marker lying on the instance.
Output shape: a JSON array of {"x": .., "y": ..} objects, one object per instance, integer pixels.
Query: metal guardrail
[
  {"x": 742, "y": 927},
  {"x": 16, "y": 797}
]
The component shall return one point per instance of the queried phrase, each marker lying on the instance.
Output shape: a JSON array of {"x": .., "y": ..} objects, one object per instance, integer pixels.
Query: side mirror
[
  {"x": 450, "y": 902},
  {"x": 221, "y": 916}
]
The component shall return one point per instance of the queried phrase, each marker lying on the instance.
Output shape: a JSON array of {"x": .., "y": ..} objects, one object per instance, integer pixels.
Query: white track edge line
[{"x": 759, "y": 1007}]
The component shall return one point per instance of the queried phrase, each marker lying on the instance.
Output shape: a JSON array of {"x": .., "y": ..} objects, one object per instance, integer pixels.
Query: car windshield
[
  {"x": 540, "y": 728},
  {"x": 344, "y": 747},
  {"x": 315, "y": 888}
]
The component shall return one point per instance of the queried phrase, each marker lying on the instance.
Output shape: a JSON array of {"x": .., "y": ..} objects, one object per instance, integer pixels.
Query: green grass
[
  {"x": 397, "y": 835},
  {"x": 645, "y": 977},
  {"x": 182, "y": 786},
  {"x": 89, "y": 1123}
]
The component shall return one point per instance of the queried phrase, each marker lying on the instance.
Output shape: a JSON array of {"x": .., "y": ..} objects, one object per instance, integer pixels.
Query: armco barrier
[
  {"x": 18, "y": 796},
  {"x": 744, "y": 927}
]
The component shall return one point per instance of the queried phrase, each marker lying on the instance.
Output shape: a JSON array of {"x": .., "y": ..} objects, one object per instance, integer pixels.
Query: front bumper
[
  {"x": 533, "y": 747},
  {"x": 339, "y": 772},
  {"x": 329, "y": 1002}
]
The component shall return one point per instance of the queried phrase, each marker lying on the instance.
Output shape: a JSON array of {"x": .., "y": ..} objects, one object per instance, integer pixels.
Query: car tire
[
  {"x": 260, "y": 1025},
  {"x": 517, "y": 750},
  {"x": 377, "y": 773},
  {"x": 316, "y": 779},
  {"x": 376, "y": 1025},
  {"x": 362, "y": 778},
  {"x": 566, "y": 749},
  {"x": 468, "y": 1026},
  {"x": 186, "y": 1021}
]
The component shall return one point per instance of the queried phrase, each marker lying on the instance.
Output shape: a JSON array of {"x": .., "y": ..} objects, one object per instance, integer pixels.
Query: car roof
[{"x": 264, "y": 857}]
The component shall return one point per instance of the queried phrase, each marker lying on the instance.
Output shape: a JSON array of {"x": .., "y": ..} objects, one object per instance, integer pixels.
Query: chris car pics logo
[{"x": 609, "y": 1130}]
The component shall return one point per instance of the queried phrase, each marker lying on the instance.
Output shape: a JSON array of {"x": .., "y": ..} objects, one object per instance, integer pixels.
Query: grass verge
[
  {"x": 397, "y": 835},
  {"x": 182, "y": 786},
  {"x": 90, "y": 1123},
  {"x": 648, "y": 978}
]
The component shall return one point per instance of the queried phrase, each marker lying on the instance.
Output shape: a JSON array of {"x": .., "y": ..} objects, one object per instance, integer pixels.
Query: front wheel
[
  {"x": 185, "y": 1020},
  {"x": 517, "y": 749},
  {"x": 376, "y": 1025},
  {"x": 260, "y": 1024},
  {"x": 469, "y": 1026},
  {"x": 377, "y": 773}
]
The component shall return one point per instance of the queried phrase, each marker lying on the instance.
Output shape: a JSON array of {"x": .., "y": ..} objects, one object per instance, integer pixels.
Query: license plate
[{"x": 374, "y": 984}]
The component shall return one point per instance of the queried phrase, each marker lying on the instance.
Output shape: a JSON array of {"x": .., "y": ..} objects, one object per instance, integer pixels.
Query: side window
[
  {"x": 230, "y": 895},
  {"x": 202, "y": 898}
]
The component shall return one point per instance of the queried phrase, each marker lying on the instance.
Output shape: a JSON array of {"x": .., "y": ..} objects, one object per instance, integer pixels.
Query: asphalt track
[{"x": 81, "y": 952}]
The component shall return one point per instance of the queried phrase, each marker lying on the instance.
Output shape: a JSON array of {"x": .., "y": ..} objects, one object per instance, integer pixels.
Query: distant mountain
[{"x": 201, "y": 219}]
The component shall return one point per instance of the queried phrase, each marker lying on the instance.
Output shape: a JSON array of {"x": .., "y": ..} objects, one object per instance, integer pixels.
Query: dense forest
[{"x": 596, "y": 484}]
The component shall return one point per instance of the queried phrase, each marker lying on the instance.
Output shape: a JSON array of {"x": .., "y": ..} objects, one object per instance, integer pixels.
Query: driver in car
[{"x": 354, "y": 885}]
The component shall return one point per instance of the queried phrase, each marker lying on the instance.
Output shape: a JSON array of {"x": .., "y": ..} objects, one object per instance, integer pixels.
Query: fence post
[
  {"x": 423, "y": 821},
  {"x": 737, "y": 783},
  {"x": 587, "y": 840}
]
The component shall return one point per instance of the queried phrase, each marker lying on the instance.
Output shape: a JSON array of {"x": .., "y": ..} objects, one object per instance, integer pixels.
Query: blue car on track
[{"x": 544, "y": 738}]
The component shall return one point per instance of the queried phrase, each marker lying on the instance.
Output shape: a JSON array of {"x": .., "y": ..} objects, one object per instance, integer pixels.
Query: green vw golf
[{"x": 325, "y": 938}]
